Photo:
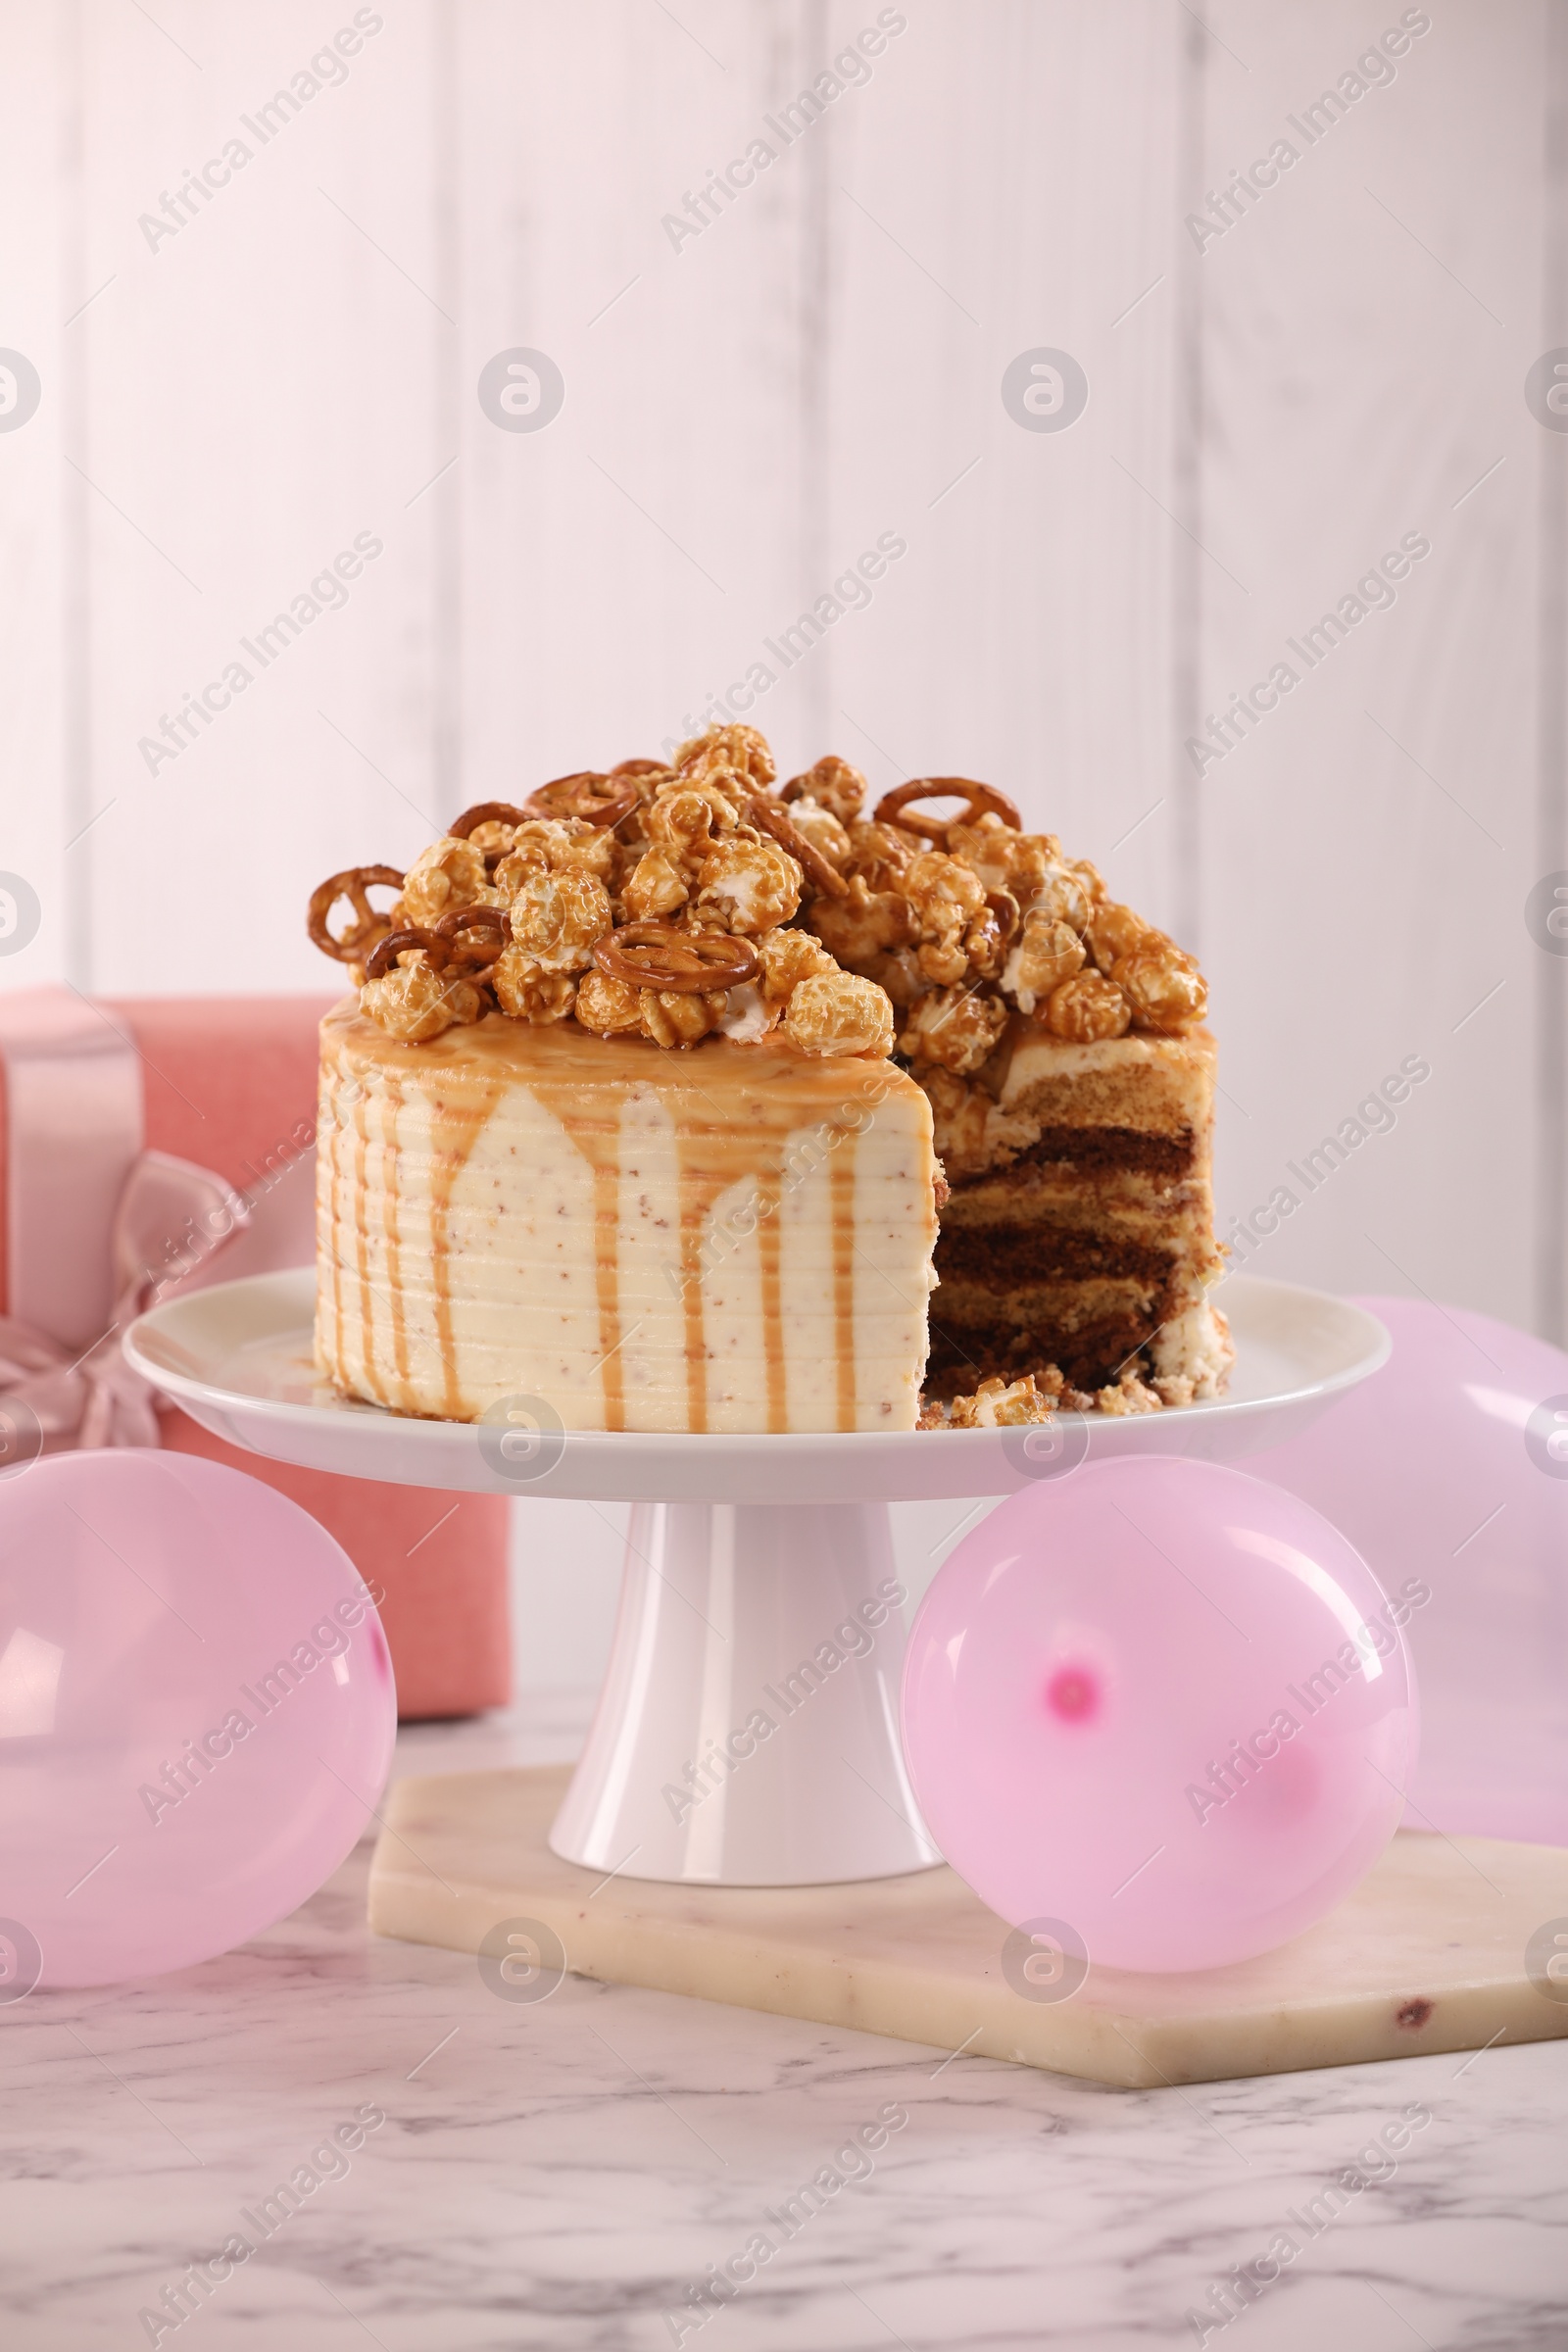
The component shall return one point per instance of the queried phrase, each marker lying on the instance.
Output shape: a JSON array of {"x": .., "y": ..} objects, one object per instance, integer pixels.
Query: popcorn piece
[
  {"x": 755, "y": 884},
  {"x": 788, "y": 958},
  {"x": 734, "y": 750},
  {"x": 555, "y": 920},
  {"x": 836, "y": 1013},
  {"x": 1115, "y": 931},
  {"x": 449, "y": 873},
  {"x": 1004, "y": 860},
  {"x": 958, "y": 1028},
  {"x": 682, "y": 823},
  {"x": 493, "y": 839},
  {"x": 1086, "y": 1008},
  {"x": 1165, "y": 987},
  {"x": 866, "y": 923},
  {"x": 897, "y": 972},
  {"x": 1088, "y": 875},
  {"x": 608, "y": 1007},
  {"x": 880, "y": 854},
  {"x": 673, "y": 1019},
  {"x": 832, "y": 784},
  {"x": 945, "y": 895},
  {"x": 415, "y": 1003},
  {"x": 822, "y": 829},
  {"x": 1000, "y": 1405},
  {"x": 653, "y": 888},
  {"x": 526, "y": 991},
  {"x": 1064, "y": 897},
  {"x": 1047, "y": 953},
  {"x": 985, "y": 943}
]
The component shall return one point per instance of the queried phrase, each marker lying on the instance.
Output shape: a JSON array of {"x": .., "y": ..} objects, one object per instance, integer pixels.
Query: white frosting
[{"x": 514, "y": 1304}]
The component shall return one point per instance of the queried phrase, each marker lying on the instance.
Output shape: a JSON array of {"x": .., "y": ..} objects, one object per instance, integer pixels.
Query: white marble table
[{"x": 557, "y": 2175}]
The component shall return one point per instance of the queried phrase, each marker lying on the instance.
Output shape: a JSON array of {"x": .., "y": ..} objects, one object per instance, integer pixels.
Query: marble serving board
[{"x": 1427, "y": 1954}]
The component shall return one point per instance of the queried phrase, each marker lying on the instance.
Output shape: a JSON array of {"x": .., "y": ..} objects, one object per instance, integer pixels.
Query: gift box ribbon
[{"x": 96, "y": 1227}]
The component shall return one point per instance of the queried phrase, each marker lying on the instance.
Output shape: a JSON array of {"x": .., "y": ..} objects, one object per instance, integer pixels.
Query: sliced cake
[{"x": 635, "y": 1111}]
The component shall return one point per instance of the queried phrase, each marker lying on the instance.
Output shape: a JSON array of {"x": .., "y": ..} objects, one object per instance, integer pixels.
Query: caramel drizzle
[
  {"x": 464, "y": 1120},
  {"x": 695, "y": 1203},
  {"x": 842, "y": 1183},
  {"x": 769, "y": 1191},
  {"x": 598, "y": 1139},
  {"x": 391, "y": 1230},
  {"x": 361, "y": 1255}
]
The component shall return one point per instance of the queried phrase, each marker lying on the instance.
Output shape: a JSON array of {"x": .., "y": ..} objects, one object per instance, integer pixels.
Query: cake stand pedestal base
[{"x": 1426, "y": 1954}]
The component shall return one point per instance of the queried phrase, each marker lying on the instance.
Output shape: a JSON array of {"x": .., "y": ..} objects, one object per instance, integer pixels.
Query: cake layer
[
  {"x": 736, "y": 1238},
  {"x": 1080, "y": 1227}
]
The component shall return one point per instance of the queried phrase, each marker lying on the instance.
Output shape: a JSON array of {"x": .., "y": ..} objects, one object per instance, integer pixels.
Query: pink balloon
[
  {"x": 1158, "y": 1712},
  {"x": 196, "y": 1714},
  {"x": 1448, "y": 1471}
]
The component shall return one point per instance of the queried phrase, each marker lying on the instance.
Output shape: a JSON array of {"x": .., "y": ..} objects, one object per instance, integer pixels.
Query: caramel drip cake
[{"x": 638, "y": 1110}]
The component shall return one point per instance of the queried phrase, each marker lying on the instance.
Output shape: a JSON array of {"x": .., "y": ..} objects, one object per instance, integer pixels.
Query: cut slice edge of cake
[{"x": 1077, "y": 1249}]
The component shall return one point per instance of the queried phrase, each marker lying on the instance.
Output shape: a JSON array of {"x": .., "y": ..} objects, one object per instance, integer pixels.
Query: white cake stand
[{"x": 748, "y": 1728}]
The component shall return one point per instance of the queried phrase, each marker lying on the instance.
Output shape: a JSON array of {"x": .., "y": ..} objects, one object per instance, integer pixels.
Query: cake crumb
[{"x": 1130, "y": 1394}]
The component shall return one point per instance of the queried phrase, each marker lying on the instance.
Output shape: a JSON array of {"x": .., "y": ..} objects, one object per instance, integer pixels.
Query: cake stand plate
[
  {"x": 1428, "y": 1953},
  {"x": 748, "y": 1730}
]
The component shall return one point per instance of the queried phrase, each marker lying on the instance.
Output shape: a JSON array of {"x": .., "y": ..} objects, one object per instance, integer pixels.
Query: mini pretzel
[
  {"x": 367, "y": 927},
  {"x": 980, "y": 800},
  {"x": 485, "y": 812},
  {"x": 438, "y": 950},
  {"x": 494, "y": 919},
  {"x": 769, "y": 817},
  {"x": 686, "y": 963},
  {"x": 639, "y": 767},
  {"x": 585, "y": 794}
]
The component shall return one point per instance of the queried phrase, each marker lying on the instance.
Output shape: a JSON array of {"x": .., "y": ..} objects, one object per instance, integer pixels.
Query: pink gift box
[{"x": 226, "y": 1086}]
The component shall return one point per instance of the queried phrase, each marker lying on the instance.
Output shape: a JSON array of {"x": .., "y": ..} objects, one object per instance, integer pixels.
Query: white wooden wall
[{"x": 221, "y": 416}]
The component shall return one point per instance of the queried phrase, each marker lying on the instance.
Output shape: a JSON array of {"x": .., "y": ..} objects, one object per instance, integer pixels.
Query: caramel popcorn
[
  {"x": 822, "y": 829},
  {"x": 449, "y": 873},
  {"x": 1047, "y": 953},
  {"x": 415, "y": 1004},
  {"x": 1000, "y": 1405},
  {"x": 866, "y": 923},
  {"x": 754, "y": 883},
  {"x": 555, "y": 920},
  {"x": 526, "y": 991},
  {"x": 832, "y": 785},
  {"x": 768, "y": 910},
  {"x": 1004, "y": 860},
  {"x": 608, "y": 1007},
  {"x": 1115, "y": 931},
  {"x": 739, "y": 752},
  {"x": 880, "y": 854},
  {"x": 838, "y": 1012},
  {"x": 945, "y": 895},
  {"x": 1165, "y": 989},
  {"x": 677, "y": 1018},
  {"x": 788, "y": 958},
  {"x": 955, "y": 1027},
  {"x": 1086, "y": 1008},
  {"x": 682, "y": 822},
  {"x": 655, "y": 887}
]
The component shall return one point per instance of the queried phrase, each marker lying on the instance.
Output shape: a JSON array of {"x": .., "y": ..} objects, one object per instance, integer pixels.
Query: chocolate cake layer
[{"x": 1111, "y": 1148}]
